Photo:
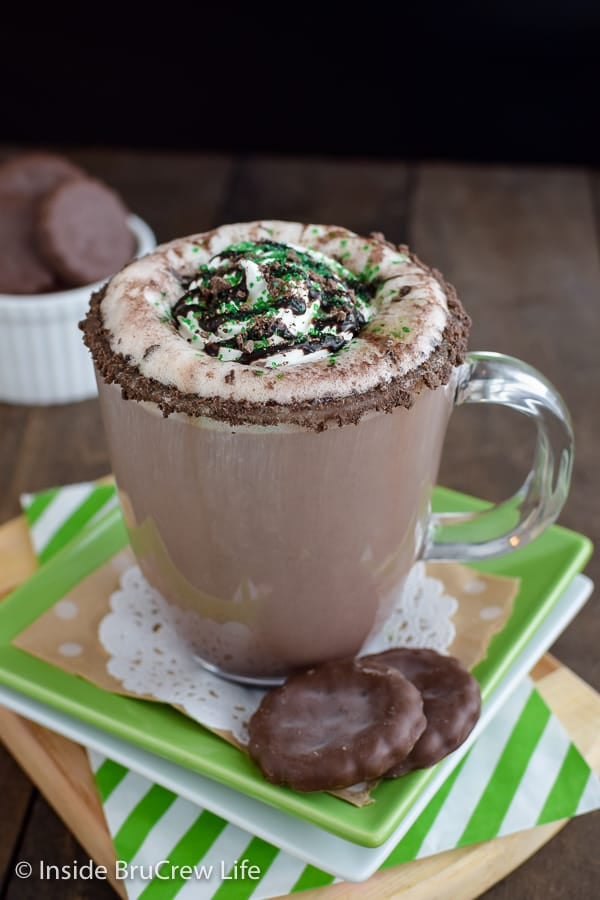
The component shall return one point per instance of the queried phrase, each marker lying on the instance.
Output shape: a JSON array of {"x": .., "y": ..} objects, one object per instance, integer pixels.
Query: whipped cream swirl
[
  {"x": 274, "y": 303},
  {"x": 242, "y": 292}
]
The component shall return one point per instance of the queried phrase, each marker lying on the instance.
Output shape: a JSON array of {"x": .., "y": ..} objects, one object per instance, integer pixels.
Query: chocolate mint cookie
[
  {"x": 83, "y": 233},
  {"x": 451, "y": 702},
  {"x": 22, "y": 271},
  {"x": 34, "y": 174},
  {"x": 335, "y": 725},
  {"x": 23, "y": 181}
]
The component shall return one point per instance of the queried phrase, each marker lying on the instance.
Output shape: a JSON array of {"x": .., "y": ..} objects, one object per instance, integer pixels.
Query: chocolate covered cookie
[
  {"x": 83, "y": 233},
  {"x": 34, "y": 174},
  {"x": 22, "y": 271},
  {"x": 336, "y": 725},
  {"x": 23, "y": 181},
  {"x": 451, "y": 702}
]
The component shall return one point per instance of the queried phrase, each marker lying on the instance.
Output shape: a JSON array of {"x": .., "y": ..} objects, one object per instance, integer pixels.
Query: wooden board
[{"x": 60, "y": 770}]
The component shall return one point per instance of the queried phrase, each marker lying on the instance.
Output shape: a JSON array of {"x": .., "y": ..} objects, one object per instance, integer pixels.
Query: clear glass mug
[{"x": 288, "y": 546}]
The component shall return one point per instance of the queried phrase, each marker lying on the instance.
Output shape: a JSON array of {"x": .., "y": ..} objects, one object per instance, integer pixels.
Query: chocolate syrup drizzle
[{"x": 218, "y": 297}]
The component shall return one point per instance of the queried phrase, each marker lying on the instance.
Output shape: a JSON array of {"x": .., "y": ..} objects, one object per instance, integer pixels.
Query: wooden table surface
[{"x": 521, "y": 246}]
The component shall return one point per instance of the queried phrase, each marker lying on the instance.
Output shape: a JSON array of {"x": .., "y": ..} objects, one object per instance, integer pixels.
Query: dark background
[{"x": 513, "y": 81}]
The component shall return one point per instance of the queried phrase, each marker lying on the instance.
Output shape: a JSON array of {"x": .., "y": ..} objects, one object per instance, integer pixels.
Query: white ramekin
[{"x": 43, "y": 359}]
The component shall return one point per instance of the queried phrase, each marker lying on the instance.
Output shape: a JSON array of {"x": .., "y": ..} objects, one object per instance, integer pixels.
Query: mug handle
[{"x": 495, "y": 378}]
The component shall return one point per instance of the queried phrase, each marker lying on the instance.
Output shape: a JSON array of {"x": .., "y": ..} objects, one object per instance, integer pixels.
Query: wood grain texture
[
  {"x": 16, "y": 792},
  {"x": 59, "y": 444},
  {"x": 13, "y": 420},
  {"x": 360, "y": 196},
  {"x": 17, "y": 559},
  {"x": 17, "y": 562},
  {"x": 520, "y": 245},
  {"x": 61, "y": 771},
  {"x": 47, "y": 840}
]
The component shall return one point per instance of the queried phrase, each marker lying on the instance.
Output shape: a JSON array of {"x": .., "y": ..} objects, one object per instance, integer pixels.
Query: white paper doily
[
  {"x": 422, "y": 617},
  {"x": 142, "y": 635}
]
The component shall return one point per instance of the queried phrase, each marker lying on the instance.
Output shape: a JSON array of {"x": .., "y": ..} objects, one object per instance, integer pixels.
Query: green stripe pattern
[
  {"x": 312, "y": 878},
  {"x": 55, "y": 517},
  {"x": 108, "y": 776},
  {"x": 134, "y": 830},
  {"x": 505, "y": 779},
  {"x": 189, "y": 851},
  {"x": 38, "y": 504},
  {"x": 571, "y": 781}
]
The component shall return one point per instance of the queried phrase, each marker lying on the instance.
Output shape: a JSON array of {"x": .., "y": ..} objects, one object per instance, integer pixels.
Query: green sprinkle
[
  {"x": 287, "y": 266},
  {"x": 195, "y": 249},
  {"x": 242, "y": 247},
  {"x": 405, "y": 328},
  {"x": 258, "y": 371},
  {"x": 314, "y": 230},
  {"x": 280, "y": 375}
]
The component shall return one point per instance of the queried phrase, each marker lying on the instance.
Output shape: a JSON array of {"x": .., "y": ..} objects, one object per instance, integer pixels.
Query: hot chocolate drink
[{"x": 275, "y": 397}]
